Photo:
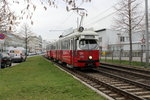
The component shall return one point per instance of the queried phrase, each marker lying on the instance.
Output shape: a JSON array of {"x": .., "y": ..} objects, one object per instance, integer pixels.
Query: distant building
[
  {"x": 35, "y": 44},
  {"x": 44, "y": 44},
  {"x": 111, "y": 40},
  {"x": 11, "y": 40}
]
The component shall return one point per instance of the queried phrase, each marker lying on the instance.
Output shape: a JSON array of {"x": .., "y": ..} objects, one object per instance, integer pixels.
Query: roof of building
[{"x": 101, "y": 30}]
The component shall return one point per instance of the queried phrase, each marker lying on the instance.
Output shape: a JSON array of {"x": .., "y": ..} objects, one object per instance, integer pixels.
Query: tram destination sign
[{"x": 89, "y": 36}]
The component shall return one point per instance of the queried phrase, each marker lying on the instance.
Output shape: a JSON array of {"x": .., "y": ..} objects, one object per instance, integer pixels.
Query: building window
[
  {"x": 127, "y": 38},
  {"x": 122, "y": 39},
  {"x": 100, "y": 39}
]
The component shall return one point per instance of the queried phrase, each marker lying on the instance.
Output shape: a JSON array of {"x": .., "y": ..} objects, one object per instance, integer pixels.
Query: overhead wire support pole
[{"x": 147, "y": 33}]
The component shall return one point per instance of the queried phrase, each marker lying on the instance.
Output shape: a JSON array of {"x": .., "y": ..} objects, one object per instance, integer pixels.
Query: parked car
[
  {"x": 31, "y": 54},
  {"x": 5, "y": 60},
  {"x": 17, "y": 54}
]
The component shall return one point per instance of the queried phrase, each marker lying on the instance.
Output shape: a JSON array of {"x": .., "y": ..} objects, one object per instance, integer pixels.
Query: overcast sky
[{"x": 48, "y": 23}]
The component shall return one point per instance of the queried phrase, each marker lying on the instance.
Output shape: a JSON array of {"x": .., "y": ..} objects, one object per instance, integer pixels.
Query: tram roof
[{"x": 77, "y": 33}]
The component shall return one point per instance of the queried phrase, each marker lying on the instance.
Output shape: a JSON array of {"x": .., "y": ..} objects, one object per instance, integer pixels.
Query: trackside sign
[{"x": 2, "y": 36}]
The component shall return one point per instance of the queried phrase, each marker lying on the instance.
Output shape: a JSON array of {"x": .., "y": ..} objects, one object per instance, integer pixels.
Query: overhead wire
[
  {"x": 103, "y": 12},
  {"x": 97, "y": 21},
  {"x": 69, "y": 16}
]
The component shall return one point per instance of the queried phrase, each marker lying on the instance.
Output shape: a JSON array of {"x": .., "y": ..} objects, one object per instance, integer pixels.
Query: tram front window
[{"x": 88, "y": 45}]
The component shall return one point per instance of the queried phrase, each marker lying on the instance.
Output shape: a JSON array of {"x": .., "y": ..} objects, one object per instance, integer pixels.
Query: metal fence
[{"x": 123, "y": 55}]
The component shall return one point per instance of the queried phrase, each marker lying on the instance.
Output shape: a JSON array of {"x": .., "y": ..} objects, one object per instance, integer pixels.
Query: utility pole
[{"x": 146, "y": 32}]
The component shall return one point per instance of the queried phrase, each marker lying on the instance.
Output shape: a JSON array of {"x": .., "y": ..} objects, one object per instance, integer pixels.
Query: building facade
[
  {"x": 111, "y": 40},
  {"x": 35, "y": 44},
  {"x": 11, "y": 40}
]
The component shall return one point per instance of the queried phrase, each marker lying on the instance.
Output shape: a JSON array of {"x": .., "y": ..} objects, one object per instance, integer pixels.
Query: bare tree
[
  {"x": 30, "y": 7},
  {"x": 26, "y": 33},
  {"x": 128, "y": 19},
  {"x": 8, "y": 20}
]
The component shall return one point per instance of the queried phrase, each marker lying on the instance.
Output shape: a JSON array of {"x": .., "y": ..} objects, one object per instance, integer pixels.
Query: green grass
[
  {"x": 124, "y": 62},
  {"x": 38, "y": 79}
]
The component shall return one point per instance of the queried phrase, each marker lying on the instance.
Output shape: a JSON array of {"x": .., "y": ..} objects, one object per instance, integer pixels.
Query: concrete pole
[{"x": 146, "y": 32}]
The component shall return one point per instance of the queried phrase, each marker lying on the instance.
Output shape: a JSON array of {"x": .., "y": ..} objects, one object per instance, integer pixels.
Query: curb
[{"x": 94, "y": 89}]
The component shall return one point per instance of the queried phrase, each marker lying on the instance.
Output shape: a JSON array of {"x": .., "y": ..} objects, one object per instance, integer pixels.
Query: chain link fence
[{"x": 123, "y": 55}]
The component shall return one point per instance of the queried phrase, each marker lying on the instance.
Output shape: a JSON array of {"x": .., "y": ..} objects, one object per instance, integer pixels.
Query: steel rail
[
  {"x": 117, "y": 90},
  {"x": 147, "y": 87},
  {"x": 140, "y": 70},
  {"x": 145, "y": 76}
]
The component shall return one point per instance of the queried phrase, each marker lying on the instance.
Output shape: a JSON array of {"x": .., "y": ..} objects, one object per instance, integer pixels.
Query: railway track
[
  {"x": 132, "y": 88},
  {"x": 132, "y": 73},
  {"x": 116, "y": 87}
]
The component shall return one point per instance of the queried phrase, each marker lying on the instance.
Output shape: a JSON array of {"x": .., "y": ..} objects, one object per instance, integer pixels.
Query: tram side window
[
  {"x": 52, "y": 47},
  {"x": 75, "y": 44},
  {"x": 65, "y": 45},
  {"x": 55, "y": 46},
  {"x": 62, "y": 45},
  {"x": 59, "y": 45},
  {"x": 68, "y": 44}
]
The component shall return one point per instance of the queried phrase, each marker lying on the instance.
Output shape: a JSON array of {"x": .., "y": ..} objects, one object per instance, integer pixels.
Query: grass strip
[
  {"x": 38, "y": 79},
  {"x": 125, "y": 62}
]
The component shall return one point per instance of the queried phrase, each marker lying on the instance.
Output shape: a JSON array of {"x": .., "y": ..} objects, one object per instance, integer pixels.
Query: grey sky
[{"x": 60, "y": 19}]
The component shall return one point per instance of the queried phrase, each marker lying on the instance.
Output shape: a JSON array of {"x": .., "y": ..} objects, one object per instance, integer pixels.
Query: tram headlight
[{"x": 90, "y": 57}]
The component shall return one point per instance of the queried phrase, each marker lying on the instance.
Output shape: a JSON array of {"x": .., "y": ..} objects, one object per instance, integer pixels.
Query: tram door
[{"x": 73, "y": 50}]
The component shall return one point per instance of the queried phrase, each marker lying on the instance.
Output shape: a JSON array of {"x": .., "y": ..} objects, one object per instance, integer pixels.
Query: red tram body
[{"x": 76, "y": 49}]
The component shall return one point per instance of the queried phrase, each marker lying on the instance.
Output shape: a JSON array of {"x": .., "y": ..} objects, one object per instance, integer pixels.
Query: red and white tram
[{"x": 76, "y": 49}]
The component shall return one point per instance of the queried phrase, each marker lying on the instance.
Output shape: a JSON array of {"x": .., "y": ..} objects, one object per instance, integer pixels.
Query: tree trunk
[
  {"x": 26, "y": 47},
  {"x": 26, "y": 42},
  {"x": 130, "y": 32}
]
